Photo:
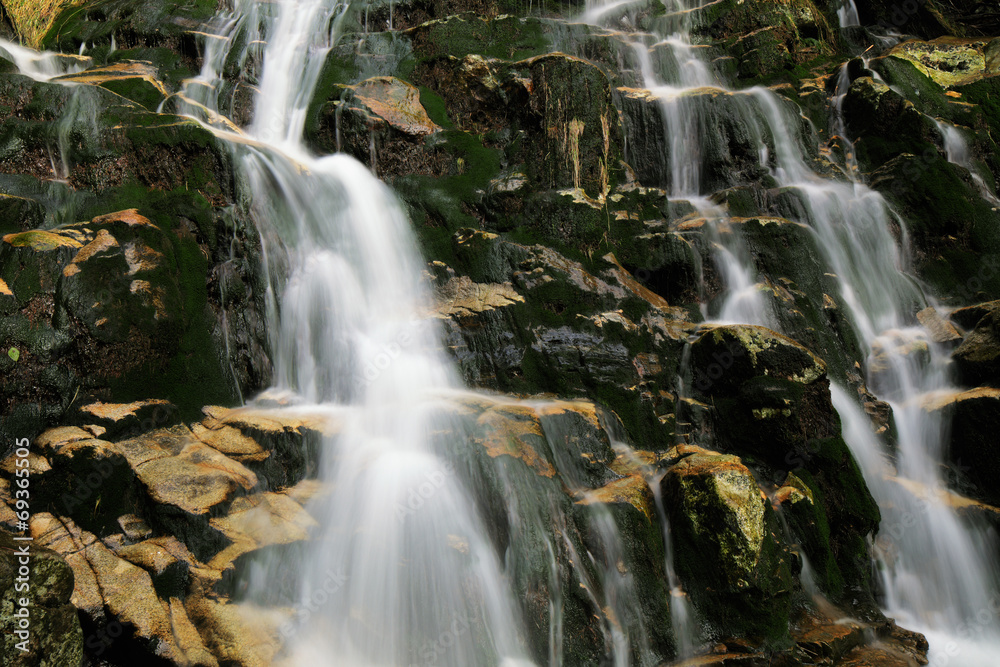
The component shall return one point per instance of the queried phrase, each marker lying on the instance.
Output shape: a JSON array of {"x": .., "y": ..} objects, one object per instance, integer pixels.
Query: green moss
[
  {"x": 506, "y": 37},
  {"x": 194, "y": 376},
  {"x": 153, "y": 21}
]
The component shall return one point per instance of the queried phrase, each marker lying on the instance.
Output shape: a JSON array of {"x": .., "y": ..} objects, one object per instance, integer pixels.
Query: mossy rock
[
  {"x": 729, "y": 554},
  {"x": 955, "y": 231},
  {"x": 506, "y": 37},
  {"x": 771, "y": 405},
  {"x": 55, "y": 636}
]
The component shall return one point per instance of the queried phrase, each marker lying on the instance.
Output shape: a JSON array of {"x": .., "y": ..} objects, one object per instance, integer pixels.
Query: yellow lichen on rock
[
  {"x": 949, "y": 61},
  {"x": 40, "y": 240},
  {"x": 33, "y": 19}
]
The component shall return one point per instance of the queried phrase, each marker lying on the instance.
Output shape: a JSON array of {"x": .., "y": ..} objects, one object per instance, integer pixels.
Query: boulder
[
  {"x": 54, "y": 637},
  {"x": 950, "y": 61},
  {"x": 726, "y": 537},
  {"x": 568, "y": 331},
  {"x": 766, "y": 398},
  {"x": 978, "y": 357},
  {"x": 972, "y": 449}
]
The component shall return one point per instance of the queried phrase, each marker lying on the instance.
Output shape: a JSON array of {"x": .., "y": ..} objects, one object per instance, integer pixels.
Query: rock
[
  {"x": 569, "y": 332},
  {"x": 135, "y": 80},
  {"x": 978, "y": 357},
  {"x": 113, "y": 295},
  {"x": 954, "y": 231},
  {"x": 729, "y": 128},
  {"x": 54, "y": 636},
  {"x": 770, "y": 404},
  {"x": 765, "y": 37},
  {"x": 461, "y": 297},
  {"x": 888, "y": 350},
  {"x": 949, "y": 61},
  {"x": 972, "y": 448},
  {"x": 940, "y": 329},
  {"x": 394, "y": 102},
  {"x": 264, "y": 520},
  {"x": 877, "y": 115},
  {"x": 105, "y": 584},
  {"x": 726, "y": 543},
  {"x": 238, "y": 635}
]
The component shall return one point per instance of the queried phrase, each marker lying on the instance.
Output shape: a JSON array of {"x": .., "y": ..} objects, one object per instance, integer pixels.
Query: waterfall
[
  {"x": 957, "y": 151},
  {"x": 937, "y": 570},
  {"x": 428, "y": 551},
  {"x": 847, "y": 14},
  {"x": 351, "y": 334}
]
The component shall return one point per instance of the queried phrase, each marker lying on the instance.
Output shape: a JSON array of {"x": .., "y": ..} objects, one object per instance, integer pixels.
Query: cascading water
[
  {"x": 847, "y": 14},
  {"x": 940, "y": 576},
  {"x": 957, "y": 151},
  {"x": 416, "y": 582},
  {"x": 351, "y": 334},
  {"x": 693, "y": 86},
  {"x": 409, "y": 583}
]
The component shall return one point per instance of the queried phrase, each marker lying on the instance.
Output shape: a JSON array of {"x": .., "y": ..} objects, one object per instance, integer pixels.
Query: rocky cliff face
[{"x": 535, "y": 168}]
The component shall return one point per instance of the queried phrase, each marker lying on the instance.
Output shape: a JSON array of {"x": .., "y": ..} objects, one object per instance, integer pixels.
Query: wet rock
[
  {"x": 135, "y": 80},
  {"x": 940, "y": 329},
  {"x": 728, "y": 125},
  {"x": 949, "y": 61},
  {"x": 55, "y": 637},
  {"x": 972, "y": 448},
  {"x": 954, "y": 231},
  {"x": 873, "y": 110},
  {"x": 765, "y": 37},
  {"x": 556, "y": 459},
  {"x": 727, "y": 546},
  {"x": 770, "y": 404},
  {"x": 978, "y": 357},
  {"x": 571, "y": 331}
]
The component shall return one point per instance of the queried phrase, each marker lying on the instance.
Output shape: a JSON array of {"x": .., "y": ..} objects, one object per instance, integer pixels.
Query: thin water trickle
[{"x": 957, "y": 151}]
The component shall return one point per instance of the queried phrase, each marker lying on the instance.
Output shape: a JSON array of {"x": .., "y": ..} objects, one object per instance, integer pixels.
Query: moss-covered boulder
[
  {"x": 545, "y": 323},
  {"x": 729, "y": 549},
  {"x": 117, "y": 306},
  {"x": 766, "y": 398},
  {"x": 951, "y": 61},
  {"x": 763, "y": 37},
  {"x": 37, "y": 587}
]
